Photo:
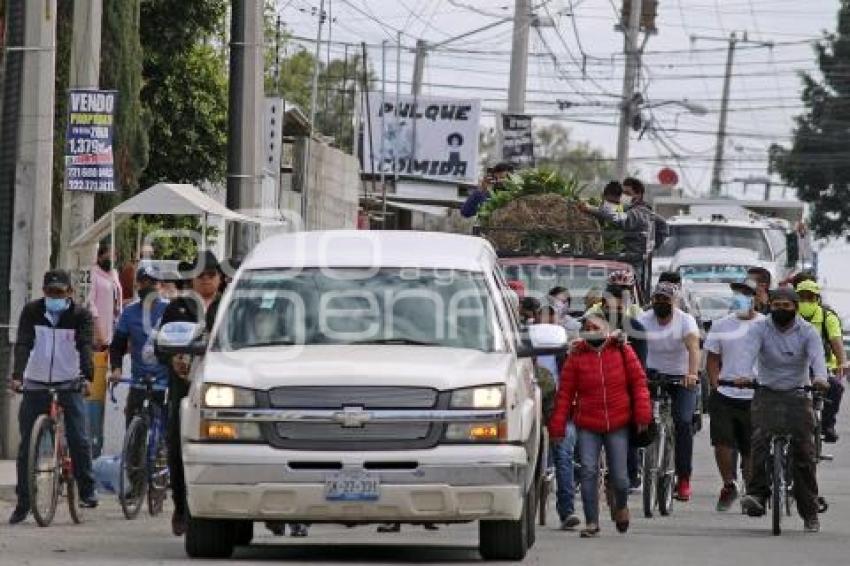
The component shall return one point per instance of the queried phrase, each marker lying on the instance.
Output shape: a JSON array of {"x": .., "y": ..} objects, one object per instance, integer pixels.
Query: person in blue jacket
[
  {"x": 137, "y": 322},
  {"x": 492, "y": 182}
]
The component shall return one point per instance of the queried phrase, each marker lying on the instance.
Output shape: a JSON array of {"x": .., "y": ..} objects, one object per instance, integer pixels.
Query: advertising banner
[
  {"x": 428, "y": 137},
  {"x": 89, "y": 163},
  {"x": 517, "y": 139}
]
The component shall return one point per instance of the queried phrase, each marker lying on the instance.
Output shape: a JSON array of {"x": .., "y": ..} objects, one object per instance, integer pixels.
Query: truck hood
[{"x": 414, "y": 366}]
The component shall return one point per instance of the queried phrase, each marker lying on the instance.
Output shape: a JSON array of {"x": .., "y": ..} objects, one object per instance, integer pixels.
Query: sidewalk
[{"x": 7, "y": 480}]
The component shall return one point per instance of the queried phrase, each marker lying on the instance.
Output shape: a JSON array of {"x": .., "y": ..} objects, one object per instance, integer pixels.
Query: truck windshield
[
  {"x": 419, "y": 307},
  {"x": 716, "y": 236},
  {"x": 714, "y": 273},
  {"x": 579, "y": 280}
]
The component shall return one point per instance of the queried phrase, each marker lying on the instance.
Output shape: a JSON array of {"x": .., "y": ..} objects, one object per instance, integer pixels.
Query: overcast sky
[{"x": 765, "y": 93}]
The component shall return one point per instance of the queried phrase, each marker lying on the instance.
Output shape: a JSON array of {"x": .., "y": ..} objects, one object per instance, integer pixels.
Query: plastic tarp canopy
[{"x": 163, "y": 198}]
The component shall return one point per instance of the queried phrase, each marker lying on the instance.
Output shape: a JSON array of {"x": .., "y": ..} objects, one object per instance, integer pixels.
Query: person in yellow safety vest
[{"x": 828, "y": 325}]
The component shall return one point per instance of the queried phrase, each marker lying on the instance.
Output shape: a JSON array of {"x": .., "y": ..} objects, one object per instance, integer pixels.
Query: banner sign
[
  {"x": 428, "y": 137},
  {"x": 517, "y": 140},
  {"x": 89, "y": 163}
]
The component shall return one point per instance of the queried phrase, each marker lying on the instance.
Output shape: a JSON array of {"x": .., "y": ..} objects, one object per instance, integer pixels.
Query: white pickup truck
[{"x": 364, "y": 377}]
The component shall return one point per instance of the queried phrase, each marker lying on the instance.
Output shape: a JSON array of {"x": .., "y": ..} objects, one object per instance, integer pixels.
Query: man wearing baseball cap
[
  {"x": 134, "y": 329},
  {"x": 54, "y": 349},
  {"x": 672, "y": 339},
  {"x": 726, "y": 346},
  {"x": 828, "y": 325},
  {"x": 790, "y": 356}
]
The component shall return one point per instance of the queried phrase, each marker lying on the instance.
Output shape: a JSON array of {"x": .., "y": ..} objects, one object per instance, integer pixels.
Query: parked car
[{"x": 364, "y": 377}]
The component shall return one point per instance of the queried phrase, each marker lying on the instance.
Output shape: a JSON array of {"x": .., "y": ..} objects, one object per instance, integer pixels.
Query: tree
[
  {"x": 121, "y": 70},
  {"x": 185, "y": 90},
  {"x": 336, "y": 103},
  {"x": 554, "y": 149},
  {"x": 817, "y": 164}
]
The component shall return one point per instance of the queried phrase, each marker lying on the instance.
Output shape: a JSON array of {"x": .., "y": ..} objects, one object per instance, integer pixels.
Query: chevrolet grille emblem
[{"x": 352, "y": 417}]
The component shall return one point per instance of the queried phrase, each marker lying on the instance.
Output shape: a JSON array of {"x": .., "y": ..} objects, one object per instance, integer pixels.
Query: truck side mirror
[
  {"x": 544, "y": 339},
  {"x": 181, "y": 338},
  {"x": 792, "y": 249}
]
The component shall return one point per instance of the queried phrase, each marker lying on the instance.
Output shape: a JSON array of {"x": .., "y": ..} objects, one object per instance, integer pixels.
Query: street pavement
[{"x": 694, "y": 534}]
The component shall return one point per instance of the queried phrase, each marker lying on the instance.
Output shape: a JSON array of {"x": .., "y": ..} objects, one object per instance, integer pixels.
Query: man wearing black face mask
[
  {"x": 493, "y": 182},
  {"x": 790, "y": 355},
  {"x": 673, "y": 352},
  {"x": 134, "y": 328}
]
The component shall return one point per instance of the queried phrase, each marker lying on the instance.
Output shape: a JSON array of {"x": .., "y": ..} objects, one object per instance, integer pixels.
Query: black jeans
[
  {"x": 775, "y": 412},
  {"x": 175, "y": 457},
  {"x": 36, "y": 403}
]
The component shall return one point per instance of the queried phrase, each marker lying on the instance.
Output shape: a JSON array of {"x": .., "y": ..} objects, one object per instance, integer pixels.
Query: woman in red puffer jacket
[{"x": 603, "y": 390}]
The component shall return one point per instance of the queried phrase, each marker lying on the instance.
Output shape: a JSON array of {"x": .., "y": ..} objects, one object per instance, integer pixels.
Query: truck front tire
[
  {"x": 211, "y": 538},
  {"x": 508, "y": 540}
]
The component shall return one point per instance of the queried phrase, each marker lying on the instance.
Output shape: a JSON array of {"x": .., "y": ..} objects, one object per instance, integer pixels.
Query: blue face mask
[
  {"x": 742, "y": 304},
  {"x": 56, "y": 305}
]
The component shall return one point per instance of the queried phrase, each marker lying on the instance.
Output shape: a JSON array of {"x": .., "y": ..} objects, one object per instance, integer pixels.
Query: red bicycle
[{"x": 50, "y": 469}]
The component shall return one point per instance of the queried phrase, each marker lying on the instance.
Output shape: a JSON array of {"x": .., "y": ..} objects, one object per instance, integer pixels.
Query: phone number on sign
[{"x": 86, "y": 185}]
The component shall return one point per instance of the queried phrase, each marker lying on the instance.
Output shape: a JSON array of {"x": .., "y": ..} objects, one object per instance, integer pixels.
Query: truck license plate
[{"x": 352, "y": 486}]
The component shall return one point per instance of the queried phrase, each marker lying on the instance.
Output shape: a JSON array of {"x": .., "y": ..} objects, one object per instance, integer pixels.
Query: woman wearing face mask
[
  {"x": 672, "y": 339},
  {"x": 603, "y": 391}
]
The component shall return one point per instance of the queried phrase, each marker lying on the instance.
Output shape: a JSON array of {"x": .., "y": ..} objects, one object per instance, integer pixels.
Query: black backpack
[{"x": 827, "y": 346}]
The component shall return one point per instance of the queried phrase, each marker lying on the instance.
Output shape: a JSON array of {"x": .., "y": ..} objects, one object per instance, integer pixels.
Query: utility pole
[
  {"x": 629, "y": 79},
  {"x": 419, "y": 67},
  {"x": 519, "y": 57},
  {"x": 314, "y": 93},
  {"x": 724, "y": 112},
  {"x": 33, "y": 171},
  {"x": 78, "y": 206},
  {"x": 733, "y": 40},
  {"x": 245, "y": 135}
]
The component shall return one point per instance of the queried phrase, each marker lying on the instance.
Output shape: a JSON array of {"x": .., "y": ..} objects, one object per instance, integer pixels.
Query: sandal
[{"x": 591, "y": 531}]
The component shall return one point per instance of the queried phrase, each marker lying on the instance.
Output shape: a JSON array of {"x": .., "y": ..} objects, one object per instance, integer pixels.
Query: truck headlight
[
  {"x": 488, "y": 397},
  {"x": 228, "y": 397}
]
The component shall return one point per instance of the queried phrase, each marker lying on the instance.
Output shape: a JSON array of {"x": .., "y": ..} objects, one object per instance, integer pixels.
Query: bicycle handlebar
[{"x": 756, "y": 385}]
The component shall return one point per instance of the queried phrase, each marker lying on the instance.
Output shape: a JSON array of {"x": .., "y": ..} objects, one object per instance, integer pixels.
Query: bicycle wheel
[
  {"x": 778, "y": 484},
  {"x": 650, "y": 479},
  {"x": 133, "y": 481},
  {"x": 665, "y": 475},
  {"x": 71, "y": 493},
  {"x": 158, "y": 485},
  {"x": 43, "y": 471}
]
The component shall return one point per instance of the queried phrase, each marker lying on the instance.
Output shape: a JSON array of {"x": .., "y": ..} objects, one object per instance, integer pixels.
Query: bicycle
[
  {"x": 658, "y": 458},
  {"x": 144, "y": 457},
  {"x": 49, "y": 460},
  {"x": 780, "y": 462}
]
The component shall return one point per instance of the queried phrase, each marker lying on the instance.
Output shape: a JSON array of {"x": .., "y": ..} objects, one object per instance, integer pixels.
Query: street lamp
[{"x": 692, "y": 107}]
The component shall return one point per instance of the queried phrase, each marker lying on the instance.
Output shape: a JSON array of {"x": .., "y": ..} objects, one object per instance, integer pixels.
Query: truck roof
[
  {"x": 565, "y": 261},
  {"x": 366, "y": 248}
]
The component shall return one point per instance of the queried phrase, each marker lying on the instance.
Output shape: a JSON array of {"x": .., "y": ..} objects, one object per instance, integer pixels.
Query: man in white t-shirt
[
  {"x": 728, "y": 359},
  {"x": 672, "y": 340}
]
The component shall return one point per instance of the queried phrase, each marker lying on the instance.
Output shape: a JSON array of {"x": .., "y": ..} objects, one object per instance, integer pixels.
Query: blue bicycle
[{"x": 144, "y": 458}]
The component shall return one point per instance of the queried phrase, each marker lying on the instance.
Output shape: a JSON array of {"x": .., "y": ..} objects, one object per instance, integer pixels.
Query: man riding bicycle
[
  {"x": 54, "y": 349},
  {"x": 788, "y": 351},
  {"x": 673, "y": 353},
  {"x": 828, "y": 325},
  {"x": 135, "y": 326},
  {"x": 731, "y": 428}
]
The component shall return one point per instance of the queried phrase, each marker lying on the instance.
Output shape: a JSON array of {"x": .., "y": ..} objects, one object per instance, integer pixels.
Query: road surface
[{"x": 695, "y": 534}]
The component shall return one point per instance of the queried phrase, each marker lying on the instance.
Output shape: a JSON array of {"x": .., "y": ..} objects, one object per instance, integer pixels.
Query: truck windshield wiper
[
  {"x": 269, "y": 343},
  {"x": 393, "y": 342}
]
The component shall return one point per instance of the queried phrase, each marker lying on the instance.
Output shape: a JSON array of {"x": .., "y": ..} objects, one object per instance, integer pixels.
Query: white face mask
[{"x": 626, "y": 200}]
